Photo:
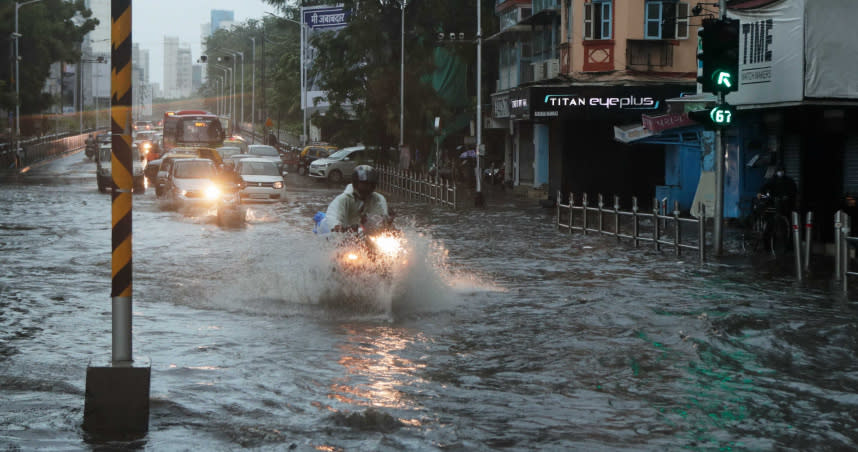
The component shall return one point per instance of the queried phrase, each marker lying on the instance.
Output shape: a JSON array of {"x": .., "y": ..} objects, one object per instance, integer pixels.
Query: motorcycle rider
[
  {"x": 358, "y": 202},
  {"x": 91, "y": 148}
]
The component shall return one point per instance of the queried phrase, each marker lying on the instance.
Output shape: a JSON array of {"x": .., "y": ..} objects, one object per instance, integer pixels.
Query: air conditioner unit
[
  {"x": 552, "y": 68},
  {"x": 538, "y": 71}
]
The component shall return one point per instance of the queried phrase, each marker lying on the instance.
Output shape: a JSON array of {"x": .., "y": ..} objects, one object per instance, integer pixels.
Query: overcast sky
[{"x": 154, "y": 19}]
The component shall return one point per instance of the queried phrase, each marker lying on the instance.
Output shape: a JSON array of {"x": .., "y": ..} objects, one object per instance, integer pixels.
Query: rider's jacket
[{"x": 346, "y": 209}]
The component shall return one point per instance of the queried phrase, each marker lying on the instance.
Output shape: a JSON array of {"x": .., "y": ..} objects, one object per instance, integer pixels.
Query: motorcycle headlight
[
  {"x": 212, "y": 192},
  {"x": 388, "y": 244},
  {"x": 278, "y": 185}
]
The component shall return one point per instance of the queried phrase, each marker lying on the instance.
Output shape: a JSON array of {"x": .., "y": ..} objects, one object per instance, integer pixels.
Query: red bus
[{"x": 192, "y": 128}]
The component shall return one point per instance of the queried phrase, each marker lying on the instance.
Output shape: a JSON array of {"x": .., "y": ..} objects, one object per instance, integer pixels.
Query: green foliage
[{"x": 52, "y": 31}]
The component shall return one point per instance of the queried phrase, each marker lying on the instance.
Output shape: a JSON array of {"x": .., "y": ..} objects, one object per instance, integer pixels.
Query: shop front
[{"x": 564, "y": 138}]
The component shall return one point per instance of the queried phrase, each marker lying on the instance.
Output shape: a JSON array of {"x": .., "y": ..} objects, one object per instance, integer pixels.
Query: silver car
[
  {"x": 262, "y": 180},
  {"x": 341, "y": 164}
]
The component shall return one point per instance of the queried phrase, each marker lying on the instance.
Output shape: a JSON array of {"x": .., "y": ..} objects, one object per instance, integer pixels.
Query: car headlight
[
  {"x": 278, "y": 185},
  {"x": 212, "y": 192}
]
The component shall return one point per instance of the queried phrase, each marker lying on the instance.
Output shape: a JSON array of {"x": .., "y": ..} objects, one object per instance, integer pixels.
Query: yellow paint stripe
[
  {"x": 121, "y": 28},
  {"x": 121, "y": 208}
]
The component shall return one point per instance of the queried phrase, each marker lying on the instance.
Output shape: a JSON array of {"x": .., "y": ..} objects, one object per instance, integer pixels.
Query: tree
[{"x": 52, "y": 31}]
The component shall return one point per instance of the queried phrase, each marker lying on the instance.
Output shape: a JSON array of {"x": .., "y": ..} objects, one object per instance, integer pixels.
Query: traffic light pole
[{"x": 721, "y": 150}]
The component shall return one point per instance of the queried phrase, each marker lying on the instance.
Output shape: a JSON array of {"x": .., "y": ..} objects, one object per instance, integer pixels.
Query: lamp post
[
  {"x": 17, "y": 36},
  {"x": 240, "y": 54},
  {"x": 478, "y": 197},
  {"x": 402, "y": 5},
  {"x": 226, "y": 70},
  {"x": 253, "y": 93},
  {"x": 304, "y": 103}
]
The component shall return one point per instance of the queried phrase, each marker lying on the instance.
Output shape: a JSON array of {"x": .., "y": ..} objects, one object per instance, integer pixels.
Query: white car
[
  {"x": 262, "y": 180},
  {"x": 267, "y": 152},
  {"x": 341, "y": 164},
  {"x": 193, "y": 182}
]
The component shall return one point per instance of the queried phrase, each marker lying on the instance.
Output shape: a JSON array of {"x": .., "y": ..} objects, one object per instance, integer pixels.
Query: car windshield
[
  {"x": 258, "y": 169},
  {"x": 266, "y": 151},
  {"x": 339, "y": 155},
  {"x": 228, "y": 151},
  {"x": 194, "y": 170}
]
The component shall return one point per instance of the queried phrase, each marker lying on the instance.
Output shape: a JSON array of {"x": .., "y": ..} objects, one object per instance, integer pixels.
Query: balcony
[{"x": 649, "y": 54}]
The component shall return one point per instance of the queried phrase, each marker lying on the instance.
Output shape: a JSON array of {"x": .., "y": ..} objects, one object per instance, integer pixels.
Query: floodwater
[{"x": 497, "y": 332}]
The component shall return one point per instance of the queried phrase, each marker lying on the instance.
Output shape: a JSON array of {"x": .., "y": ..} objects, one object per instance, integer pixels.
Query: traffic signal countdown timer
[
  {"x": 717, "y": 117},
  {"x": 720, "y": 55}
]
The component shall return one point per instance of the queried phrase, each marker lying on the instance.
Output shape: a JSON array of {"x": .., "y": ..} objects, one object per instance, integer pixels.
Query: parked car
[
  {"x": 340, "y": 165},
  {"x": 262, "y": 180},
  {"x": 312, "y": 153},
  {"x": 192, "y": 182}
]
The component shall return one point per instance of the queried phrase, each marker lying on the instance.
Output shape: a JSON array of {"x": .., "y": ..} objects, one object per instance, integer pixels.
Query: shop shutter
[
  {"x": 792, "y": 157},
  {"x": 850, "y": 165}
]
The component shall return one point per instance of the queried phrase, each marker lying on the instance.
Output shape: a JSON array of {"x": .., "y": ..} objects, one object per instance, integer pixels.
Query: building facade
[{"x": 570, "y": 72}]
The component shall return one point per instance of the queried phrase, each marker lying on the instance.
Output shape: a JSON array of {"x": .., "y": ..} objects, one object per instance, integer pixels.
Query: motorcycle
[
  {"x": 91, "y": 149},
  {"x": 371, "y": 247}
]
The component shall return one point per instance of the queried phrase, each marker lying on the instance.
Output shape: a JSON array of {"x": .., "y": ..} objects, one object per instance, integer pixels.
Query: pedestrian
[{"x": 782, "y": 190}]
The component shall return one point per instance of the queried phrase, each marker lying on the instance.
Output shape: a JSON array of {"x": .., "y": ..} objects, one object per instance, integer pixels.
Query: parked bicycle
[{"x": 770, "y": 225}]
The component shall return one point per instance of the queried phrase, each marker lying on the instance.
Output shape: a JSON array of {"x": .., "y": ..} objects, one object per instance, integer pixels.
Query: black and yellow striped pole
[
  {"x": 117, "y": 395},
  {"x": 122, "y": 169}
]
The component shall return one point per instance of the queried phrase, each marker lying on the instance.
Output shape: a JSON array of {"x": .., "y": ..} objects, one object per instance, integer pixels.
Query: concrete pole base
[{"x": 117, "y": 400}]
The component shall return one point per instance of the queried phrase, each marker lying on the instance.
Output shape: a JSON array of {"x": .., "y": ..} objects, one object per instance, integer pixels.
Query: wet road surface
[{"x": 498, "y": 333}]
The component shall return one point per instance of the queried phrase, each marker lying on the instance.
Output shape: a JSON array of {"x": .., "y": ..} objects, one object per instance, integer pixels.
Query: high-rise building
[
  {"x": 221, "y": 19},
  {"x": 184, "y": 75},
  {"x": 171, "y": 49},
  {"x": 95, "y": 56}
]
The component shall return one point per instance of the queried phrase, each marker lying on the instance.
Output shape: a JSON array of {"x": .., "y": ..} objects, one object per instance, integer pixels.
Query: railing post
[
  {"x": 676, "y": 229},
  {"x": 808, "y": 237},
  {"x": 584, "y": 202},
  {"x": 838, "y": 245},
  {"x": 601, "y": 204},
  {"x": 701, "y": 233},
  {"x": 571, "y": 210},
  {"x": 617, "y": 217},
  {"x": 635, "y": 226},
  {"x": 557, "y": 211},
  {"x": 796, "y": 241},
  {"x": 655, "y": 225}
]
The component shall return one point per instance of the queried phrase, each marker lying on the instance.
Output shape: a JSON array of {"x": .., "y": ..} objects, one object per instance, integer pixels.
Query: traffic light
[
  {"x": 719, "y": 53},
  {"x": 717, "y": 117}
]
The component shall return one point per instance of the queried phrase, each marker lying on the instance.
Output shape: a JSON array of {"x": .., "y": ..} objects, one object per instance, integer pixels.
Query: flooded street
[{"x": 498, "y": 332}]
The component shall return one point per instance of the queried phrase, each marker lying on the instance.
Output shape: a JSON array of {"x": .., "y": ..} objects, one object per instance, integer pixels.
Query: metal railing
[
  {"x": 844, "y": 248},
  {"x": 416, "y": 186},
  {"x": 37, "y": 149},
  {"x": 663, "y": 229}
]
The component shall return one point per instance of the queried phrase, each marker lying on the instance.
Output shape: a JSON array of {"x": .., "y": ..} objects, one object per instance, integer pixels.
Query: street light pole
[
  {"x": 253, "y": 94},
  {"x": 17, "y": 36},
  {"x": 402, "y": 6},
  {"x": 478, "y": 199}
]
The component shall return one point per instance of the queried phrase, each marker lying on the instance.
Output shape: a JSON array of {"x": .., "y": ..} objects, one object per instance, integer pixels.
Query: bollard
[
  {"x": 584, "y": 205},
  {"x": 656, "y": 233},
  {"x": 601, "y": 216},
  {"x": 808, "y": 228},
  {"x": 838, "y": 246},
  {"x": 676, "y": 230},
  {"x": 701, "y": 233},
  {"x": 846, "y": 224},
  {"x": 635, "y": 226},
  {"x": 557, "y": 210},
  {"x": 617, "y": 217},
  {"x": 796, "y": 240}
]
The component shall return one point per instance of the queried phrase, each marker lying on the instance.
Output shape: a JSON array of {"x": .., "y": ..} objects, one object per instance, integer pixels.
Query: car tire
[
  {"x": 101, "y": 187},
  {"x": 139, "y": 185},
  {"x": 335, "y": 177}
]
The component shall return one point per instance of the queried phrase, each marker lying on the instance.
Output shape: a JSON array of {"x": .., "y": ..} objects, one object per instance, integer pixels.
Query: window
[
  {"x": 569, "y": 20},
  {"x": 666, "y": 19},
  {"x": 597, "y": 19}
]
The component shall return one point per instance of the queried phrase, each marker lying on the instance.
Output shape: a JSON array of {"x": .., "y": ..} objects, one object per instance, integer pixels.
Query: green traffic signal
[
  {"x": 722, "y": 115},
  {"x": 719, "y": 55}
]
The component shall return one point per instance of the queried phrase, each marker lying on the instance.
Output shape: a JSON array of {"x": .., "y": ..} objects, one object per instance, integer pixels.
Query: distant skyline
[{"x": 155, "y": 19}]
